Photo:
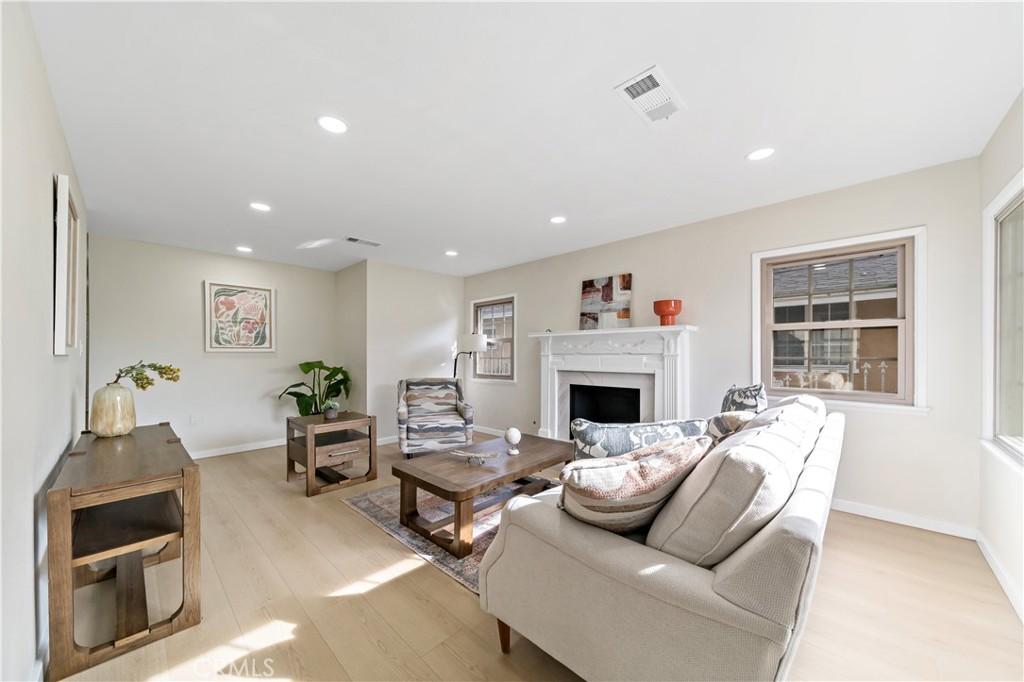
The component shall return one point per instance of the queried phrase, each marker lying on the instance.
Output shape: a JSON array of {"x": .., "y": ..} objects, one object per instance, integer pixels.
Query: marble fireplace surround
[{"x": 653, "y": 359}]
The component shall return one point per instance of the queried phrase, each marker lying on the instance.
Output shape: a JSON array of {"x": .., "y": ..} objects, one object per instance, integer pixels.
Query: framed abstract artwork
[
  {"x": 605, "y": 302},
  {"x": 65, "y": 267},
  {"x": 239, "y": 318}
]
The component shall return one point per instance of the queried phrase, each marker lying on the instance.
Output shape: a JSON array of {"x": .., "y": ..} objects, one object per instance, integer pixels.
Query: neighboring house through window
[
  {"x": 839, "y": 321},
  {"x": 495, "y": 318}
]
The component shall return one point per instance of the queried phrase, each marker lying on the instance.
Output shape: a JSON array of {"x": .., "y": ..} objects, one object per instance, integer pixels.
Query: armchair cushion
[
  {"x": 436, "y": 426},
  {"x": 431, "y": 396}
]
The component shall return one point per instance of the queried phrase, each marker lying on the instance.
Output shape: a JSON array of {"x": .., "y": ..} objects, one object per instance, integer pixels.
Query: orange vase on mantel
[{"x": 667, "y": 310}]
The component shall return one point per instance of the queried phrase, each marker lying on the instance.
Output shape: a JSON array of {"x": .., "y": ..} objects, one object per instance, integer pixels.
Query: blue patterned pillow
[
  {"x": 611, "y": 440},
  {"x": 747, "y": 399}
]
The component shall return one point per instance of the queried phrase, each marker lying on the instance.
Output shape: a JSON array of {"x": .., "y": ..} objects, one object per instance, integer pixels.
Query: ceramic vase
[
  {"x": 113, "y": 411},
  {"x": 331, "y": 413},
  {"x": 667, "y": 310}
]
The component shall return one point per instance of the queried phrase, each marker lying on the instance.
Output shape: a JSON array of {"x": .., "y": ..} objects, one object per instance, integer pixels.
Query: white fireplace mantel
[{"x": 663, "y": 352}]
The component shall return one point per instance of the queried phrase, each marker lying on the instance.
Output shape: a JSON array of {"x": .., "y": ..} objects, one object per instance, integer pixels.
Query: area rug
[{"x": 380, "y": 506}]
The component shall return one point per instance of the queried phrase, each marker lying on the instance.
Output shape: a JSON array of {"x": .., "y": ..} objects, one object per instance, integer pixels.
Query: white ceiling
[{"x": 470, "y": 125}]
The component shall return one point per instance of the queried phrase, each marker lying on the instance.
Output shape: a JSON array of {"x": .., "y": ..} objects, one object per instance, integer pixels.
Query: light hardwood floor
[{"x": 304, "y": 588}]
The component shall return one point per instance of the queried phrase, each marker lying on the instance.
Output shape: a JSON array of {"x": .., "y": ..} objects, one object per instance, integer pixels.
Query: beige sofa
[{"x": 611, "y": 608}]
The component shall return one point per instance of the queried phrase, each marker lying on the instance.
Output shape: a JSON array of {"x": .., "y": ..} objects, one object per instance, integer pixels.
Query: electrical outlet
[{"x": 193, "y": 419}]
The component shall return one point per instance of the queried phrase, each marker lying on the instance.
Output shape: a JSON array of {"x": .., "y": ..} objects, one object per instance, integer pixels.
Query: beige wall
[
  {"x": 350, "y": 296},
  {"x": 1001, "y": 515},
  {"x": 413, "y": 321},
  {"x": 921, "y": 466},
  {"x": 43, "y": 396},
  {"x": 1004, "y": 153},
  {"x": 146, "y": 303}
]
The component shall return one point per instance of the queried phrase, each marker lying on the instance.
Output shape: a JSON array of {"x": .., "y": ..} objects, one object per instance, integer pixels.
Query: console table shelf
[
  {"x": 114, "y": 498},
  {"x": 117, "y": 528}
]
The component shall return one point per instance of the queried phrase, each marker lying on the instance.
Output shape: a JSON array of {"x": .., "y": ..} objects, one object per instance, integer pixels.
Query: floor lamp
[{"x": 469, "y": 344}]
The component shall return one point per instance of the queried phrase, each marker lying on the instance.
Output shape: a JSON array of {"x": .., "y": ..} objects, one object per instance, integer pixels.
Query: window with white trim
[
  {"x": 839, "y": 323},
  {"x": 496, "y": 320},
  {"x": 1009, "y": 336}
]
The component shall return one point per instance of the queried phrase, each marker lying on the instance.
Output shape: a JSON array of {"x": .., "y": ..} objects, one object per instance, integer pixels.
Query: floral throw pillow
[{"x": 747, "y": 399}]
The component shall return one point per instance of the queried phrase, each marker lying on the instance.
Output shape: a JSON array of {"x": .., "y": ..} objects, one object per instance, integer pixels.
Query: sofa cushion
[
  {"x": 624, "y": 493},
  {"x": 740, "y": 485},
  {"x": 724, "y": 424},
  {"x": 610, "y": 440},
  {"x": 430, "y": 396},
  {"x": 435, "y": 426},
  {"x": 746, "y": 398}
]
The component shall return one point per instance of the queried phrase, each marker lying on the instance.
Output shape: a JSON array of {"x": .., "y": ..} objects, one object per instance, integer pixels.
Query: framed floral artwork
[{"x": 239, "y": 318}]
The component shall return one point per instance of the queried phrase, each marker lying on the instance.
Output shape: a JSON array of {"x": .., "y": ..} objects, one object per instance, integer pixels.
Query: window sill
[
  {"x": 860, "y": 406},
  {"x": 1001, "y": 448}
]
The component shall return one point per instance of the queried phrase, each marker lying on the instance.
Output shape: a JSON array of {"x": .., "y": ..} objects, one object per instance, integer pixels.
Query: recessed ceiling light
[
  {"x": 332, "y": 125},
  {"x": 760, "y": 154},
  {"x": 558, "y": 220},
  {"x": 259, "y": 206},
  {"x": 243, "y": 249},
  {"x": 315, "y": 243},
  {"x": 451, "y": 253}
]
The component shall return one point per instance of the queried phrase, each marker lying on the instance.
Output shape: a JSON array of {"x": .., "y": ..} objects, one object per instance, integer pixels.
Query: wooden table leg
[
  {"x": 65, "y": 657},
  {"x": 189, "y": 614},
  {"x": 288, "y": 461},
  {"x": 371, "y": 474},
  {"x": 407, "y": 510},
  {"x": 462, "y": 542},
  {"x": 311, "y": 487}
]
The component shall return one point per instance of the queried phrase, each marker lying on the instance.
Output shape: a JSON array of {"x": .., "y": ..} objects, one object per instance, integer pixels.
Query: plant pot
[
  {"x": 113, "y": 411},
  {"x": 667, "y": 310},
  {"x": 330, "y": 414}
]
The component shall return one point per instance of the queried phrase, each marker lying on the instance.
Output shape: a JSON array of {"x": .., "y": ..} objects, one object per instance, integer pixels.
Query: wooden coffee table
[{"x": 452, "y": 478}]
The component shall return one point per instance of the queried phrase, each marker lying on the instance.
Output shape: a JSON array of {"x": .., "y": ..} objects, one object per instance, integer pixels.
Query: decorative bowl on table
[{"x": 477, "y": 458}]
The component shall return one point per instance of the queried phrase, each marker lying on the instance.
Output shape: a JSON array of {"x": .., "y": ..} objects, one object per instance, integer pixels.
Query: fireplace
[
  {"x": 606, "y": 404},
  {"x": 652, "y": 361}
]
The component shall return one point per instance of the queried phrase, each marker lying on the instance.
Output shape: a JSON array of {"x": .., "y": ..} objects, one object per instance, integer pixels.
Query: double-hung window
[
  {"x": 1009, "y": 329},
  {"x": 496, "y": 320},
  {"x": 839, "y": 323}
]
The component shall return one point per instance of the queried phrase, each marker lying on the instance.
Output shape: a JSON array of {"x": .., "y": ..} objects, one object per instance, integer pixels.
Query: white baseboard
[
  {"x": 905, "y": 519},
  {"x": 1012, "y": 591},
  {"x": 232, "y": 449},
  {"x": 500, "y": 433},
  {"x": 260, "y": 445}
]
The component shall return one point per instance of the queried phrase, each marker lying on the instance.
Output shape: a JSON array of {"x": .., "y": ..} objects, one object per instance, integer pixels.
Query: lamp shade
[{"x": 472, "y": 343}]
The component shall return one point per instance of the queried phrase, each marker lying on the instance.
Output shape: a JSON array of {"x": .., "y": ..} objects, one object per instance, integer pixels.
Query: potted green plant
[
  {"x": 325, "y": 384},
  {"x": 113, "y": 406},
  {"x": 331, "y": 409}
]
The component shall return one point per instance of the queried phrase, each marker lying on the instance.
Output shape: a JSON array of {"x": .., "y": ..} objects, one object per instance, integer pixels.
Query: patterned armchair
[{"x": 432, "y": 416}]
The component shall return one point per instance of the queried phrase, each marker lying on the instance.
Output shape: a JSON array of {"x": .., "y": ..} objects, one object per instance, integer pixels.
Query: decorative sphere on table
[{"x": 512, "y": 437}]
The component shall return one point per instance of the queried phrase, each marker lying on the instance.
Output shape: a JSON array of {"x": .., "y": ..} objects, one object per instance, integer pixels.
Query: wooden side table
[
  {"x": 322, "y": 445},
  {"x": 113, "y": 498}
]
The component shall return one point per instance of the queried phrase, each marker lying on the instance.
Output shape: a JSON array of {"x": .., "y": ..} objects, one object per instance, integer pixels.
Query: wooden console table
[
  {"x": 113, "y": 498},
  {"x": 322, "y": 446}
]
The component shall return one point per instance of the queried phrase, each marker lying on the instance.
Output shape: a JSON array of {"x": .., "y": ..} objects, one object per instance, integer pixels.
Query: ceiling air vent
[
  {"x": 362, "y": 242},
  {"x": 650, "y": 94}
]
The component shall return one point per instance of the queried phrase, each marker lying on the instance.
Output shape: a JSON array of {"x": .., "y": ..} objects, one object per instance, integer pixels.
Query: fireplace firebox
[{"x": 605, "y": 404}]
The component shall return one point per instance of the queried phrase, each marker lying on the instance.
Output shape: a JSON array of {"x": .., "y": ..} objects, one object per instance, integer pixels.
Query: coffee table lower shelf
[{"x": 459, "y": 540}]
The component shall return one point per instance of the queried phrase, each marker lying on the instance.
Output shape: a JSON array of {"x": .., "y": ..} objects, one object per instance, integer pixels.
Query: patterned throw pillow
[
  {"x": 610, "y": 440},
  {"x": 724, "y": 424},
  {"x": 748, "y": 398},
  {"x": 624, "y": 493}
]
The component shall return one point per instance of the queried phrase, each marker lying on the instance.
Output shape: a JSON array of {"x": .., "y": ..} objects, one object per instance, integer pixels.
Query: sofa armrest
[{"x": 671, "y": 581}]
